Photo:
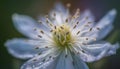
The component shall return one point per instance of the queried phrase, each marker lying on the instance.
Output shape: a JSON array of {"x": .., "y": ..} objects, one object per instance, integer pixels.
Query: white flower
[{"x": 61, "y": 40}]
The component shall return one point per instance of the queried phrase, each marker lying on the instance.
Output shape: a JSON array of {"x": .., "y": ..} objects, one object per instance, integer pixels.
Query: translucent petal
[
  {"x": 65, "y": 61},
  {"x": 104, "y": 26},
  {"x": 61, "y": 14},
  {"x": 78, "y": 63},
  {"x": 70, "y": 61},
  {"x": 26, "y": 25},
  {"x": 85, "y": 18},
  {"x": 95, "y": 52},
  {"x": 44, "y": 61},
  {"x": 24, "y": 48}
]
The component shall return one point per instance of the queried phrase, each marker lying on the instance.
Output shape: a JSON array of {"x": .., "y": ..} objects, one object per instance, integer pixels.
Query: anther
[
  {"x": 43, "y": 60},
  {"x": 61, "y": 27},
  {"x": 68, "y": 5},
  {"x": 51, "y": 30},
  {"x": 74, "y": 27},
  {"x": 39, "y": 21},
  {"x": 66, "y": 20},
  {"x": 86, "y": 38},
  {"x": 41, "y": 31},
  {"x": 78, "y": 32},
  {"x": 46, "y": 47},
  {"x": 46, "y": 16},
  {"x": 90, "y": 29},
  {"x": 40, "y": 36},
  {"x": 55, "y": 27},
  {"x": 98, "y": 28},
  {"x": 34, "y": 59},
  {"x": 50, "y": 56},
  {"x": 54, "y": 14},
  {"x": 67, "y": 33},
  {"x": 66, "y": 56},
  {"x": 77, "y": 22},
  {"x": 36, "y": 47},
  {"x": 39, "y": 53}
]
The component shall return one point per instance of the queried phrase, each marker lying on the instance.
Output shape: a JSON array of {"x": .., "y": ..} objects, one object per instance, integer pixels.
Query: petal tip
[{"x": 113, "y": 12}]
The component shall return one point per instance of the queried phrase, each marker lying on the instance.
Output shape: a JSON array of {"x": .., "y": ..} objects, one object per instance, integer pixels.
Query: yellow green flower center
[{"x": 62, "y": 36}]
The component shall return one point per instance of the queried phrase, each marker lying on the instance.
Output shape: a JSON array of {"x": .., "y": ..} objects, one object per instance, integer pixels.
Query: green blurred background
[{"x": 34, "y": 8}]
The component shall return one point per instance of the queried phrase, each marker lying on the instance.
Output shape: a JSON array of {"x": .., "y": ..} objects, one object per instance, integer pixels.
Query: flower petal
[
  {"x": 70, "y": 61},
  {"x": 104, "y": 26},
  {"x": 65, "y": 61},
  {"x": 24, "y": 49},
  {"x": 59, "y": 13},
  {"x": 95, "y": 52},
  {"x": 26, "y": 25},
  {"x": 44, "y": 61}
]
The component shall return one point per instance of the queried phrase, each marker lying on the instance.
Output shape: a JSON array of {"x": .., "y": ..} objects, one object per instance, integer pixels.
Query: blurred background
[{"x": 34, "y": 8}]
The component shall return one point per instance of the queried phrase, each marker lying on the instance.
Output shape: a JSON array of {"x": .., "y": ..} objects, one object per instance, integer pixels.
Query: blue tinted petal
[
  {"x": 61, "y": 14},
  {"x": 95, "y": 52},
  {"x": 26, "y": 25},
  {"x": 44, "y": 61},
  {"x": 71, "y": 61},
  {"x": 23, "y": 48},
  {"x": 105, "y": 26}
]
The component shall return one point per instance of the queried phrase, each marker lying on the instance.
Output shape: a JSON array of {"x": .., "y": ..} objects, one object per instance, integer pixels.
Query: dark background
[{"x": 35, "y": 7}]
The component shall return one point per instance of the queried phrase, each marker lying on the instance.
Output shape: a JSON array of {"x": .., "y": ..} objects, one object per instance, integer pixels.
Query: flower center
[{"x": 62, "y": 36}]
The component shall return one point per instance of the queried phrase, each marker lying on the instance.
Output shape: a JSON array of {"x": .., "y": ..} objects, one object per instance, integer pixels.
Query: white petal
[
  {"x": 26, "y": 25},
  {"x": 41, "y": 62},
  {"x": 70, "y": 62},
  {"x": 65, "y": 61},
  {"x": 23, "y": 48},
  {"x": 78, "y": 63},
  {"x": 61, "y": 12},
  {"x": 105, "y": 25},
  {"x": 95, "y": 52}
]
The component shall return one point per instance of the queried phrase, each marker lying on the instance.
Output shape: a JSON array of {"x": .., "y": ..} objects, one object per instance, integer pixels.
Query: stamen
[
  {"x": 66, "y": 55},
  {"x": 90, "y": 29},
  {"x": 40, "y": 36},
  {"x": 66, "y": 20},
  {"x": 41, "y": 31},
  {"x": 78, "y": 32},
  {"x": 55, "y": 27},
  {"x": 86, "y": 38},
  {"x": 46, "y": 47},
  {"x": 61, "y": 27},
  {"x": 67, "y": 33},
  {"x": 51, "y": 30},
  {"x": 98, "y": 28},
  {"x": 43, "y": 60},
  {"x": 39, "y": 53},
  {"x": 68, "y": 5},
  {"x": 40, "y": 21},
  {"x": 54, "y": 14},
  {"x": 50, "y": 56},
  {"x": 77, "y": 23},
  {"x": 34, "y": 59},
  {"x": 36, "y": 47},
  {"x": 74, "y": 26}
]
